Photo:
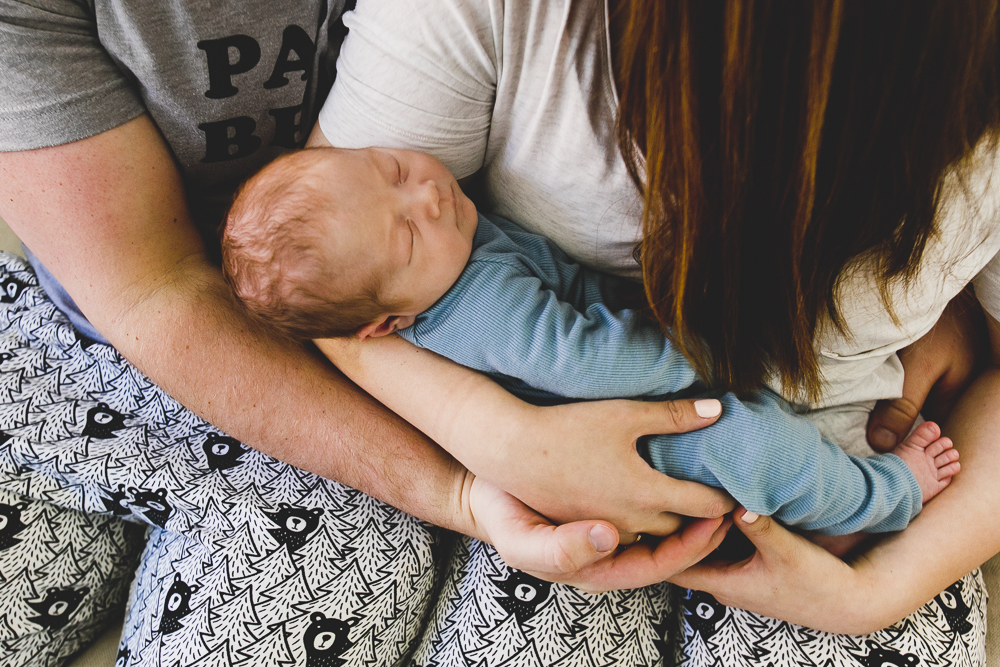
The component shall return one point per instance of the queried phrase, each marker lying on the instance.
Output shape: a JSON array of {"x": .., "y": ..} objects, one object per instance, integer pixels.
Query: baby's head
[{"x": 332, "y": 242}]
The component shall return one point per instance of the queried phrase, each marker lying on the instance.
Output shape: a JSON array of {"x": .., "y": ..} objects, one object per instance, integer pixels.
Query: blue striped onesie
[{"x": 546, "y": 329}]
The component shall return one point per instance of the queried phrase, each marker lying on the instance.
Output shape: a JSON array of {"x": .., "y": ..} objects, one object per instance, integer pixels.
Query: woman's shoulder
[
  {"x": 424, "y": 74},
  {"x": 419, "y": 75}
]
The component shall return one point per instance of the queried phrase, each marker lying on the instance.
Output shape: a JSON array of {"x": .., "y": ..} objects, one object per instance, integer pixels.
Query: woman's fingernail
[
  {"x": 883, "y": 437},
  {"x": 603, "y": 538},
  {"x": 708, "y": 407},
  {"x": 750, "y": 517}
]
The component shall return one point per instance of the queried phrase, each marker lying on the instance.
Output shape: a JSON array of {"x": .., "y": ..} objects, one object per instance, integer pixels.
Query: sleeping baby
[{"x": 328, "y": 242}]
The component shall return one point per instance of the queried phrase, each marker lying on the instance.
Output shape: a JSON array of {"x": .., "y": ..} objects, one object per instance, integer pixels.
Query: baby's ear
[{"x": 385, "y": 325}]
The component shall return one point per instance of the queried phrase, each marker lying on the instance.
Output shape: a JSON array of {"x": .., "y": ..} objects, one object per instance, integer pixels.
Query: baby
[{"x": 328, "y": 242}]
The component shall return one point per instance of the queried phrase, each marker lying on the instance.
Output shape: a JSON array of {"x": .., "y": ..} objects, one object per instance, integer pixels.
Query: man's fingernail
[
  {"x": 603, "y": 538},
  {"x": 708, "y": 407},
  {"x": 883, "y": 437},
  {"x": 750, "y": 517}
]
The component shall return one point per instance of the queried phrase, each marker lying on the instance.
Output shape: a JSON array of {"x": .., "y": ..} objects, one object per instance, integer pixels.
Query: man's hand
[
  {"x": 582, "y": 554},
  {"x": 939, "y": 368}
]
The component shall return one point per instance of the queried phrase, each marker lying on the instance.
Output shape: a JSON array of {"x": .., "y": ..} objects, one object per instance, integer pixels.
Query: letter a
[{"x": 293, "y": 39}]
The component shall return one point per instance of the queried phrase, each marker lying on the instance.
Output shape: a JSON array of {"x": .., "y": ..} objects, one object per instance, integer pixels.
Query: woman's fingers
[
  {"x": 765, "y": 534},
  {"x": 774, "y": 543},
  {"x": 665, "y": 493},
  {"x": 678, "y": 416},
  {"x": 788, "y": 577}
]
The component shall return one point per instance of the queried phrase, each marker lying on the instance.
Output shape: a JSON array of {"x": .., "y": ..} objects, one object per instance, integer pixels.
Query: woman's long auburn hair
[{"x": 774, "y": 142}]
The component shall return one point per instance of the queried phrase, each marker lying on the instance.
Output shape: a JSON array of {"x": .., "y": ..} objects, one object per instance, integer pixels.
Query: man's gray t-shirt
[{"x": 231, "y": 85}]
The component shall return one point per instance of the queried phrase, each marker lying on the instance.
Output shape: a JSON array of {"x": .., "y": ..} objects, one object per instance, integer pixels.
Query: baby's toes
[
  {"x": 923, "y": 435},
  {"x": 939, "y": 446},
  {"x": 947, "y": 464}
]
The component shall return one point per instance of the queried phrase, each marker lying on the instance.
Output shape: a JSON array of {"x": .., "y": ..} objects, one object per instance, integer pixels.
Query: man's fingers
[
  {"x": 528, "y": 541},
  {"x": 703, "y": 537},
  {"x": 562, "y": 550},
  {"x": 684, "y": 549},
  {"x": 891, "y": 420},
  {"x": 574, "y": 554},
  {"x": 644, "y": 564}
]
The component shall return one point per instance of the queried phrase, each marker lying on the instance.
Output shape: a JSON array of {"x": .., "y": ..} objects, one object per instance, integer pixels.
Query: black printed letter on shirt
[
  {"x": 221, "y": 135},
  {"x": 221, "y": 70},
  {"x": 293, "y": 39},
  {"x": 286, "y": 127}
]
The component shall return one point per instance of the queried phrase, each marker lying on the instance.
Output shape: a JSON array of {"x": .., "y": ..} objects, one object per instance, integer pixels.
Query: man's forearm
[
  {"x": 283, "y": 400},
  {"x": 108, "y": 216}
]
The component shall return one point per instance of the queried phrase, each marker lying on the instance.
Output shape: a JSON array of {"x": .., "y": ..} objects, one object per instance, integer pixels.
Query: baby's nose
[{"x": 430, "y": 197}]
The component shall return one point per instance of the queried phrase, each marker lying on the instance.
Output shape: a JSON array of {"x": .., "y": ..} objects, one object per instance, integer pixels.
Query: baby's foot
[{"x": 930, "y": 457}]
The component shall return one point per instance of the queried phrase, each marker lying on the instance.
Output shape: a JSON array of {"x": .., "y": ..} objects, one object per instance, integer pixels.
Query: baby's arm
[{"x": 500, "y": 319}]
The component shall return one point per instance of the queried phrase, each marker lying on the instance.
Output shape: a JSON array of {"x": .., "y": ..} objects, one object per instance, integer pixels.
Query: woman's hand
[
  {"x": 579, "y": 460},
  {"x": 582, "y": 554},
  {"x": 793, "y": 579},
  {"x": 569, "y": 462}
]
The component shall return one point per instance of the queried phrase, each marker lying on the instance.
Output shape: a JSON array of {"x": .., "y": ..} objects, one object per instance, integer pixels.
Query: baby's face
[{"x": 399, "y": 215}]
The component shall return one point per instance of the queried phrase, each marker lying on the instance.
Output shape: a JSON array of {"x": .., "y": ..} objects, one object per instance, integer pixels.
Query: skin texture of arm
[
  {"x": 791, "y": 579},
  {"x": 108, "y": 216}
]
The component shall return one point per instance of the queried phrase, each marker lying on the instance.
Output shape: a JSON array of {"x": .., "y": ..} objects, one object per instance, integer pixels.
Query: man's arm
[{"x": 108, "y": 216}]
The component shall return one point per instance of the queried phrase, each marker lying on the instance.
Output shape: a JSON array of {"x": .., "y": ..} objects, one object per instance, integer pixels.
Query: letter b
[{"x": 221, "y": 135}]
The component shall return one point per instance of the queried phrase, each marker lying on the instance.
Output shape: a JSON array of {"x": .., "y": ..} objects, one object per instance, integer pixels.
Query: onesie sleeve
[
  {"x": 417, "y": 75},
  {"x": 775, "y": 463},
  {"x": 525, "y": 331},
  {"x": 57, "y": 82}
]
